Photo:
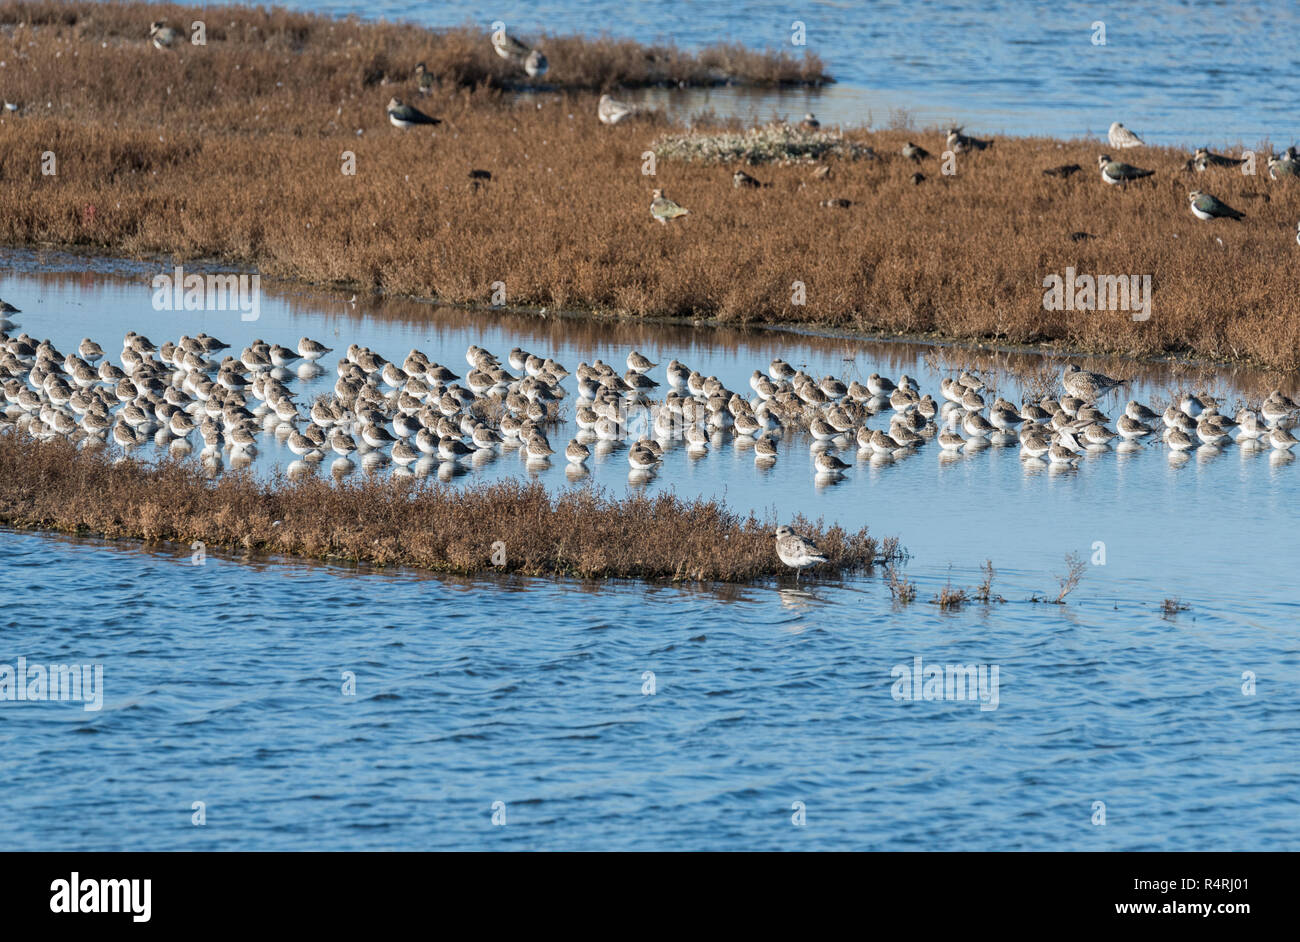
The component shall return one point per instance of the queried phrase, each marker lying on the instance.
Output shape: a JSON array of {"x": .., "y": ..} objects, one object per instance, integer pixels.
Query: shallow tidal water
[
  {"x": 223, "y": 681},
  {"x": 1178, "y": 73}
]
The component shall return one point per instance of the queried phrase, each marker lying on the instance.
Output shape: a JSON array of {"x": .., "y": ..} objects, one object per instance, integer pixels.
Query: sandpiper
[
  {"x": 1282, "y": 439},
  {"x": 1121, "y": 137},
  {"x": 950, "y": 440},
  {"x": 797, "y": 551},
  {"x": 663, "y": 209},
  {"x": 1131, "y": 428},
  {"x": 827, "y": 463},
  {"x": 312, "y": 351},
  {"x": 1064, "y": 449},
  {"x": 576, "y": 452},
  {"x": 1034, "y": 443},
  {"x": 639, "y": 363},
  {"x": 403, "y": 454},
  {"x": 450, "y": 448},
  {"x": 342, "y": 443}
]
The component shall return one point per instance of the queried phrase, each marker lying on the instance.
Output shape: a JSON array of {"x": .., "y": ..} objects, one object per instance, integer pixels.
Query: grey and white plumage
[
  {"x": 1121, "y": 137},
  {"x": 663, "y": 209},
  {"x": 1086, "y": 385},
  {"x": 531, "y": 60},
  {"x": 611, "y": 111},
  {"x": 797, "y": 551}
]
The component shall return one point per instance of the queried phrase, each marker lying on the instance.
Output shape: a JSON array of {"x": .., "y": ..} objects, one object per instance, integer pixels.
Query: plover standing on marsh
[
  {"x": 611, "y": 111},
  {"x": 663, "y": 209},
  {"x": 1121, "y": 137}
]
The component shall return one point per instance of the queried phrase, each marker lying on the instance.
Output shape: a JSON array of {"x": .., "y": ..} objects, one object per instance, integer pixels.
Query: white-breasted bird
[
  {"x": 1121, "y": 137},
  {"x": 406, "y": 116},
  {"x": 1206, "y": 207},
  {"x": 663, "y": 209}
]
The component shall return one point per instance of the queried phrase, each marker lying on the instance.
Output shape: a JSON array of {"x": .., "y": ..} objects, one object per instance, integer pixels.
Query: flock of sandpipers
[{"x": 423, "y": 413}]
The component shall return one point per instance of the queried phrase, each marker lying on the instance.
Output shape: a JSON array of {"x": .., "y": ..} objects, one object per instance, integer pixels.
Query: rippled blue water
[
  {"x": 1183, "y": 73},
  {"x": 224, "y": 687},
  {"x": 223, "y": 682}
]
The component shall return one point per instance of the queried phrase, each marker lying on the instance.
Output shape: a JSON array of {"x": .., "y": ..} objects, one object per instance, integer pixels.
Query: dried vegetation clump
[
  {"x": 774, "y": 143},
  {"x": 418, "y": 523}
]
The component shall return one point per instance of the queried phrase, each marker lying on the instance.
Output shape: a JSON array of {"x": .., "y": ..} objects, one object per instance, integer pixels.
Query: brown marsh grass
[
  {"x": 578, "y": 532},
  {"x": 335, "y": 55},
  {"x": 234, "y": 151}
]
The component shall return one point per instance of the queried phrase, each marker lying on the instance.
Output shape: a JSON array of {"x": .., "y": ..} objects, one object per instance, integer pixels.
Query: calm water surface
[
  {"x": 223, "y": 681},
  {"x": 1183, "y": 73}
]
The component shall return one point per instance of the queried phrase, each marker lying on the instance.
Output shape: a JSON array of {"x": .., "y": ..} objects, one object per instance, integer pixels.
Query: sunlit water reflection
[{"x": 223, "y": 680}]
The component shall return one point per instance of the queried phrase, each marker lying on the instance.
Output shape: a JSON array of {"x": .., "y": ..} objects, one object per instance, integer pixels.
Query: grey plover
[
  {"x": 1085, "y": 385},
  {"x": 612, "y": 111},
  {"x": 797, "y": 551},
  {"x": 1121, "y": 137},
  {"x": 663, "y": 209}
]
